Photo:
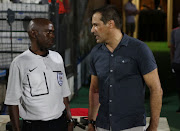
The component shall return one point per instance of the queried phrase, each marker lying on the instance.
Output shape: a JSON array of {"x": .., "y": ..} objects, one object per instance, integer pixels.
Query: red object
[
  {"x": 61, "y": 7},
  {"x": 66, "y": 5},
  {"x": 79, "y": 111},
  {"x": 62, "y": 10}
]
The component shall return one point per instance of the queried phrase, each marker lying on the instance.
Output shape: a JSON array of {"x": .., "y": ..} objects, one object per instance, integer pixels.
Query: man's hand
[
  {"x": 70, "y": 126},
  {"x": 150, "y": 128},
  {"x": 16, "y": 129},
  {"x": 91, "y": 127}
]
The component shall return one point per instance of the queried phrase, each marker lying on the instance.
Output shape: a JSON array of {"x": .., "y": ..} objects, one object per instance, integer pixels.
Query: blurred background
[{"x": 74, "y": 41}]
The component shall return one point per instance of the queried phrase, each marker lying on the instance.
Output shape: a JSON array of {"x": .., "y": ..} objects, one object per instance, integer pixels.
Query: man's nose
[
  {"x": 52, "y": 35},
  {"x": 92, "y": 30}
]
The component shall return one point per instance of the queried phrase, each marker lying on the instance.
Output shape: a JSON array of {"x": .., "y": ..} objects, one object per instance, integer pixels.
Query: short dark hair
[{"x": 109, "y": 12}]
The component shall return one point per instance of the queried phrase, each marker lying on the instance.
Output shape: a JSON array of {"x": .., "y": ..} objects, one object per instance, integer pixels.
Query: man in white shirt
[{"x": 37, "y": 86}]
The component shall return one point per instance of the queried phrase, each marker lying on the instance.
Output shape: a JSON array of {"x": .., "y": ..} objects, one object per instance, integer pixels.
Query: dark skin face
[{"x": 41, "y": 33}]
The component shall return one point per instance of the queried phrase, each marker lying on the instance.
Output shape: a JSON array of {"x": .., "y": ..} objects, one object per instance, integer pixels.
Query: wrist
[
  {"x": 153, "y": 125},
  {"x": 91, "y": 122},
  {"x": 71, "y": 121}
]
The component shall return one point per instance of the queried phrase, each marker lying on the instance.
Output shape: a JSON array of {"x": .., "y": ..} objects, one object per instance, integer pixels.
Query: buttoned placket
[
  {"x": 111, "y": 61},
  {"x": 45, "y": 60}
]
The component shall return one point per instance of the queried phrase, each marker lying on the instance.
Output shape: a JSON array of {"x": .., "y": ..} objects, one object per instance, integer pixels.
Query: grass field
[{"x": 170, "y": 99}]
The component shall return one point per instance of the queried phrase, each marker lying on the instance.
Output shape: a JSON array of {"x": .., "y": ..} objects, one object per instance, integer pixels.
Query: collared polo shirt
[
  {"x": 121, "y": 84},
  {"x": 37, "y": 85}
]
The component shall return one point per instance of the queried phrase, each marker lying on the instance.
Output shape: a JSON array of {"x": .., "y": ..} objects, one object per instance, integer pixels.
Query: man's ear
[
  {"x": 111, "y": 24},
  {"x": 33, "y": 34}
]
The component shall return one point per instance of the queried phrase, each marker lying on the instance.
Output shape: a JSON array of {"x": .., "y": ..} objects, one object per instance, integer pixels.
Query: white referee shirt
[{"x": 37, "y": 84}]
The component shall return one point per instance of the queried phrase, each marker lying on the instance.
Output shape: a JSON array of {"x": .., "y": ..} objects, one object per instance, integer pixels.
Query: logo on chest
[{"x": 60, "y": 78}]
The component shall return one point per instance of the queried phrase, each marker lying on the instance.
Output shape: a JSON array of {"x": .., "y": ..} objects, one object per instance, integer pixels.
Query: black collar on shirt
[{"x": 37, "y": 54}]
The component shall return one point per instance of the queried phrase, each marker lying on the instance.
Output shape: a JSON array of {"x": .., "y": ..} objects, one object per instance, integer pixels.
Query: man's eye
[{"x": 49, "y": 32}]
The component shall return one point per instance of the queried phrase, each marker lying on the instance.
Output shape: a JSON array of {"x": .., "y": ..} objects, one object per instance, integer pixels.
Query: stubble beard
[{"x": 41, "y": 48}]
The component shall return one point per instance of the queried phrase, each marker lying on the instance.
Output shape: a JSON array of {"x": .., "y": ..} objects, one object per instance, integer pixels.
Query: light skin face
[{"x": 99, "y": 29}]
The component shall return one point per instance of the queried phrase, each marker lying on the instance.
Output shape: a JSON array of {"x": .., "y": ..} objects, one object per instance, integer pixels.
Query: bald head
[{"x": 38, "y": 23}]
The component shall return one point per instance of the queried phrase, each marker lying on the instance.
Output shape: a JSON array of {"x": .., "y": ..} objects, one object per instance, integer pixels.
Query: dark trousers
[
  {"x": 177, "y": 72},
  {"x": 176, "y": 67},
  {"x": 59, "y": 124},
  {"x": 130, "y": 28}
]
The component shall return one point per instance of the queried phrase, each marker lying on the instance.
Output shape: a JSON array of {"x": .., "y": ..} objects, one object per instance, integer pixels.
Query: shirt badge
[{"x": 60, "y": 78}]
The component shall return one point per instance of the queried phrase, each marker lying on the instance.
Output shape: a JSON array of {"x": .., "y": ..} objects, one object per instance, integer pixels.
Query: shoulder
[
  {"x": 175, "y": 30},
  {"x": 138, "y": 46},
  {"x": 55, "y": 56},
  {"x": 21, "y": 57},
  {"x": 126, "y": 5},
  {"x": 135, "y": 42},
  {"x": 96, "y": 48},
  {"x": 54, "y": 53},
  {"x": 20, "y": 60},
  {"x": 95, "y": 51}
]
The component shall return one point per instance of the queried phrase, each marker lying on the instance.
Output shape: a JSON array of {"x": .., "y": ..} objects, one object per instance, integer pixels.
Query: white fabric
[{"x": 33, "y": 85}]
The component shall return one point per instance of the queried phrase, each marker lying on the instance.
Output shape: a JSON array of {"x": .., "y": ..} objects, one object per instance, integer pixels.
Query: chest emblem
[{"x": 60, "y": 78}]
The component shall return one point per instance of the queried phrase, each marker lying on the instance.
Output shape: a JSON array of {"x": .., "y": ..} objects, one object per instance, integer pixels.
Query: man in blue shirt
[{"x": 120, "y": 66}]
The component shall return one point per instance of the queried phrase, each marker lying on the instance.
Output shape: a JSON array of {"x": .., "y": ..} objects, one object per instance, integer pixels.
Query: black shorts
[{"x": 59, "y": 124}]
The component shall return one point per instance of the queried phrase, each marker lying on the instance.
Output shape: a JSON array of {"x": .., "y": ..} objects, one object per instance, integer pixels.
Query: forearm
[
  {"x": 153, "y": 82},
  {"x": 14, "y": 116},
  {"x": 129, "y": 12},
  {"x": 155, "y": 105},
  {"x": 93, "y": 105},
  {"x": 135, "y": 12},
  {"x": 66, "y": 102},
  {"x": 68, "y": 115}
]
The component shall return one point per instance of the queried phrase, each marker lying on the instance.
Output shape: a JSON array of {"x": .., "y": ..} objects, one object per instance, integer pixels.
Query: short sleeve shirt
[
  {"x": 37, "y": 84},
  {"x": 121, "y": 84},
  {"x": 175, "y": 40}
]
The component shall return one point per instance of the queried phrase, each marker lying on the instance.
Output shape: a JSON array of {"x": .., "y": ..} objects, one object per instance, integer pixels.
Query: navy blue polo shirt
[{"x": 121, "y": 84}]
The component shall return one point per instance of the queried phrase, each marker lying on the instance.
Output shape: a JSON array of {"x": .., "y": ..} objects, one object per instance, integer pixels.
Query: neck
[
  {"x": 38, "y": 51},
  {"x": 114, "y": 40}
]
